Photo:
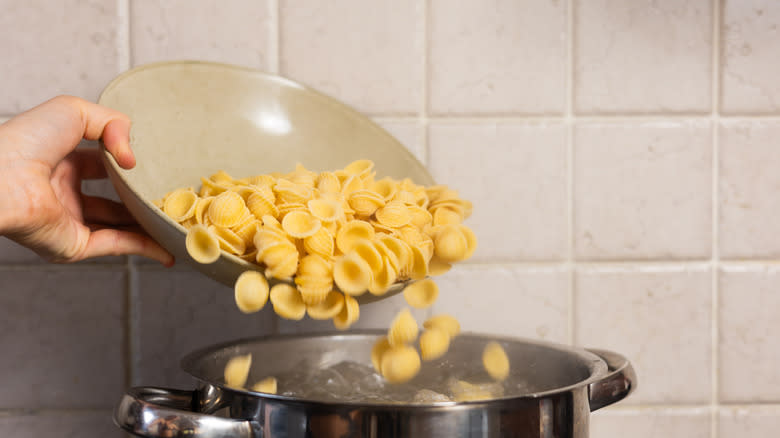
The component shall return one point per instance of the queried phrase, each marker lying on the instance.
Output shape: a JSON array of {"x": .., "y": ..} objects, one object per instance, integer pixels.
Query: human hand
[{"x": 41, "y": 204}]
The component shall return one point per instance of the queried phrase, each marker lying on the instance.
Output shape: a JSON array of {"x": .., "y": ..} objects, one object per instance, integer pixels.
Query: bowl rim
[{"x": 109, "y": 160}]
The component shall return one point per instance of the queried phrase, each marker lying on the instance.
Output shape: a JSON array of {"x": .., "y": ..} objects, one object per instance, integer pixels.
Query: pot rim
[{"x": 597, "y": 366}]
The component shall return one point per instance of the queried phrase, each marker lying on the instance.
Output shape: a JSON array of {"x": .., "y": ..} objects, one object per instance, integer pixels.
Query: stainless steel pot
[{"x": 563, "y": 386}]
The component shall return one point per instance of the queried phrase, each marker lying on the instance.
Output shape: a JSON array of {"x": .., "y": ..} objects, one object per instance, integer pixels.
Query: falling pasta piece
[
  {"x": 450, "y": 244},
  {"x": 287, "y": 302},
  {"x": 180, "y": 204},
  {"x": 351, "y": 232},
  {"x": 251, "y": 291},
  {"x": 464, "y": 391},
  {"x": 434, "y": 342},
  {"x": 348, "y": 315},
  {"x": 328, "y": 308},
  {"x": 300, "y": 224},
  {"x": 403, "y": 329},
  {"x": 400, "y": 364},
  {"x": 237, "y": 371},
  {"x": 378, "y": 350},
  {"x": 445, "y": 322},
  {"x": 438, "y": 267},
  {"x": 421, "y": 294},
  {"x": 471, "y": 241},
  {"x": 352, "y": 274},
  {"x": 202, "y": 245},
  {"x": 267, "y": 385},
  {"x": 495, "y": 361}
]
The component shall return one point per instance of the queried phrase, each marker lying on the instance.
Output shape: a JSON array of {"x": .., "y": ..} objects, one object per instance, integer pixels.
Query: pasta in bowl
[{"x": 191, "y": 119}]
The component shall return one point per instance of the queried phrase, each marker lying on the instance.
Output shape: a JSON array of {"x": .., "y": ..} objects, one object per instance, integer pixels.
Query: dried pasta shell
[
  {"x": 320, "y": 243},
  {"x": 251, "y": 291},
  {"x": 399, "y": 248},
  {"x": 434, "y": 343},
  {"x": 262, "y": 180},
  {"x": 227, "y": 209},
  {"x": 400, "y": 364},
  {"x": 247, "y": 230},
  {"x": 211, "y": 188},
  {"x": 314, "y": 290},
  {"x": 302, "y": 176},
  {"x": 287, "y": 302},
  {"x": 471, "y": 241},
  {"x": 394, "y": 214},
  {"x": 260, "y": 206},
  {"x": 411, "y": 235},
  {"x": 221, "y": 177},
  {"x": 202, "y": 245},
  {"x": 326, "y": 210},
  {"x": 419, "y": 264},
  {"x": 315, "y": 266},
  {"x": 366, "y": 250},
  {"x": 403, "y": 329},
  {"x": 438, "y": 267},
  {"x": 267, "y": 386},
  {"x": 495, "y": 361},
  {"x": 382, "y": 281},
  {"x": 180, "y": 204},
  {"x": 365, "y": 202},
  {"x": 351, "y": 232},
  {"x": 351, "y": 184},
  {"x": 352, "y": 274},
  {"x": 328, "y": 308},
  {"x": 446, "y": 216},
  {"x": 250, "y": 257},
  {"x": 386, "y": 188},
  {"x": 289, "y": 192},
  {"x": 237, "y": 371},
  {"x": 158, "y": 203},
  {"x": 445, "y": 322},
  {"x": 377, "y": 351},
  {"x": 389, "y": 257},
  {"x": 228, "y": 240},
  {"x": 189, "y": 223},
  {"x": 421, "y": 294},
  {"x": 420, "y": 217},
  {"x": 287, "y": 208},
  {"x": 328, "y": 182},
  {"x": 359, "y": 167},
  {"x": 300, "y": 224},
  {"x": 465, "y": 391},
  {"x": 450, "y": 245},
  {"x": 348, "y": 315},
  {"x": 285, "y": 269},
  {"x": 200, "y": 210}
]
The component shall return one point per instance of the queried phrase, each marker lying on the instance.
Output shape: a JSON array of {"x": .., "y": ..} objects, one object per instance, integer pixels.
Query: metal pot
[{"x": 563, "y": 384}]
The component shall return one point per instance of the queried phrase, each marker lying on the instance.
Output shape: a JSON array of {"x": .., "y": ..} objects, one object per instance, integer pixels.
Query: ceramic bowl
[{"x": 191, "y": 119}]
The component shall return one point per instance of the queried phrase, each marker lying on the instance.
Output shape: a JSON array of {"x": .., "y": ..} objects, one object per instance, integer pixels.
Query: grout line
[
  {"x": 569, "y": 120},
  {"x": 123, "y": 34},
  {"x": 422, "y": 117},
  {"x": 131, "y": 301},
  {"x": 715, "y": 366},
  {"x": 273, "y": 36}
]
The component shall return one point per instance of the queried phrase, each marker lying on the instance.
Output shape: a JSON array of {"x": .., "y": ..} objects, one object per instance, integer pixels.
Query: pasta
[
  {"x": 379, "y": 349},
  {"x": 434, "y": 343},
  {"x": 237, "y": 371},
  {"x": 287, "y": 302},
  {"x": 251, "y": 292},
  {"x": 421, "y": 294},
  {"x": 352, "y": 274},
  {"x": 202, "y": 245},
  {"x": 267, "y": 385},
  {"x": 400, "y": 364},
  {"x": 327, "y": 308},
  {"x": 227, "y": 209},
  {"x": 348, "y": 315},
  {"x": 495, "y": 361},
  {"x": 445, "y": 322},
  {"x": 403, "y": 329},
  {"x": 351, "y": 232},
  {"x": 180, "y": 204}
]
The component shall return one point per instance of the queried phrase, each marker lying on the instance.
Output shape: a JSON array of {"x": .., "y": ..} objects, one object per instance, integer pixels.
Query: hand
[{"x": 41, "y": 204}]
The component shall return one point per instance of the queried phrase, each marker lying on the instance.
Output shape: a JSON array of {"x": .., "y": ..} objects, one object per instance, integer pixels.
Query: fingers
[
  {"x": 109, "y": 242},
  {"x": 105, "y": 211}
]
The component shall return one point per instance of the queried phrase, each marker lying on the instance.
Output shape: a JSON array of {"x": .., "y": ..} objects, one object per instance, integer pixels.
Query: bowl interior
[{"x": 191, "y": 119}]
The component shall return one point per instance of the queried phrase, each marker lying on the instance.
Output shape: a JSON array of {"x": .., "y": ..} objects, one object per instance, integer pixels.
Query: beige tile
[
  {"x": 647, "y": 57},
  {"x": 47, "y": 54},
  {"x": 368, "y": 54},
  {"x": 658, "y": 317},
  {"x": 651, "y": 423},
  {"x": 180, "y": 311},
  {"x": 497, "y": 56},
  {"x": 749, "y": 201},
  {"x": 515, "y": 174},
  {"x": 71, "y": 424},
  {"x": 62, "y": 333},
  {"x": 643, "y": 190},
  {"x": 512, "y": 301},
  {"x": 234, "y": 32},
  {"x": 409, "y": 134},
  {"x": 749, "y": 422},
  {"x": 749, "y": 56},
  {"x": 749, "y": 354}
]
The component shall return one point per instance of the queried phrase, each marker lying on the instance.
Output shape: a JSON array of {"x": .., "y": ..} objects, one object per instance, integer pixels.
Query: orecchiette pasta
[
  {"x": 495, "y": 361},
  {"x": 237, "y": 371}
]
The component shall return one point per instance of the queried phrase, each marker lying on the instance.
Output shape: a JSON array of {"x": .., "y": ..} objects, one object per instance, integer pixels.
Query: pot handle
[
  {"x": 168, "y": 413},
  {"x": 616, "y": 385}
]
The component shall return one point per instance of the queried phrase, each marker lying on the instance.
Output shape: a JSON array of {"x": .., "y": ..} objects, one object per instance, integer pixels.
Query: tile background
[{"x": 620, "y": 157}]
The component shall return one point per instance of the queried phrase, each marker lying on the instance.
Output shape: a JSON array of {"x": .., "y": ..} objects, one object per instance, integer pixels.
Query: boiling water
[{"x": 349, "y": 381}]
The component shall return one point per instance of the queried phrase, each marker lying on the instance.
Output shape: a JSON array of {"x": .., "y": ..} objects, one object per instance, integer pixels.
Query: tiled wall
[{"x": 621, "y": 156}]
